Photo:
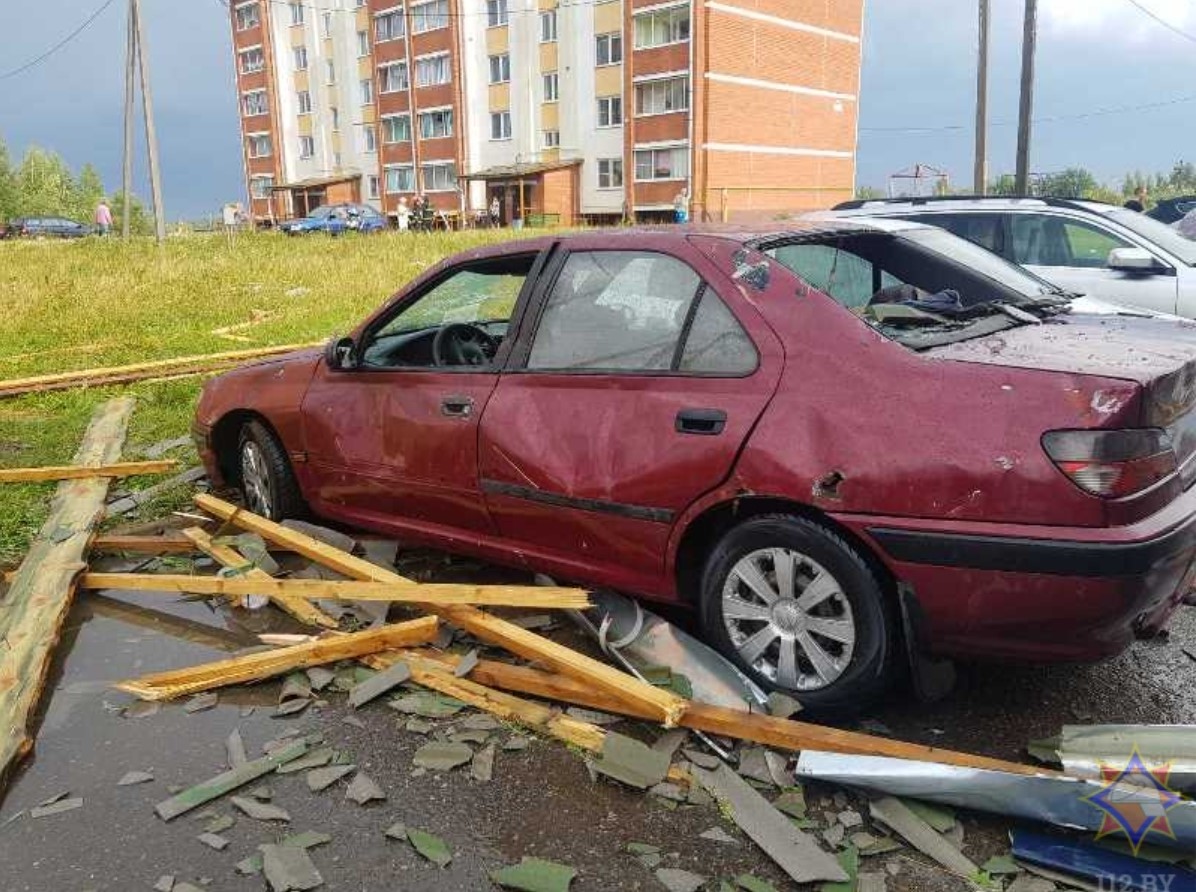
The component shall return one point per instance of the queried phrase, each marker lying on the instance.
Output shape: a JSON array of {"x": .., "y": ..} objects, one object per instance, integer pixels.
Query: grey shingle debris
[
  {"x": 260, "y": 811},
  {"x": 677, "y": 880},
  {"x": 56, "y": 806},
  {"x": 535, "y": 875},
  {"x": 165, "y": 883},
  {"x": 235, "y": 748},
  {"x": 380, "y": 552},
  {"x": 670, "y": 741},
  {"x": 516, "y": 742},
  {"x": 290, "y": 707},
  {"x": 483, "y": 721},
  {"x": 323, "y": 534},
  {"x": 308, "y": 839},
  {"x": 262, "y": 792},
  {"x": 427, "y": 705},
  {"x": 363, "y": 789},
  {"x": 782, "y": 706},
  {"x": 201, "y": 702},
  {"x": 134, "y": 777},
  {"x": 429, "y": 846},
  {"x": 213, "y": 841},
  {"x": 219, "y": 824},
  {"x": 442, "y": 756},
  {"x": 894, "y": 814},
  {"x": 593, "y": 716},
  {"x": 289, "y": 869},
  {"x": 323, "y": 778},
  {"x": 718, "y": 834},
  {"x": 186, "y": 887},
  {"x": 468, "y": 663},
  {"x": 319, "y": 677},
  {"x": 631, "y": 762},
  {"x": 794, "y": 852},
  {"x": 834, "y": 835},
  {"x": 701, "y": 759},
  {"x": 1031, "y": 884},
  {"x": 534, "y": 622},
  {"x": 142, "y": 709},
  {"x": 353, "y": 721},
  {"x": 754, "y": 766},
  {"x": 469, "y": 736},
  {"x": 872, "y": 881},
  {"x": 419, "y": 726},
  {"x": 850, "y": 818},
  {"x": 397, "y": 831},
  {"x": 295, "y": 686},
  {"x": 315, "y": 759},
  {"x": 144, "y": 496},
  {"x": 791, "y": 802},
  {"x": 669, "y": 791},
  {"x": 481, "y": 769},
  {"x": 378, "y": 684}
]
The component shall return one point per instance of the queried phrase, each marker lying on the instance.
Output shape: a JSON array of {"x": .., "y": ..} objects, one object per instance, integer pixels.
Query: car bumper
[{"x": 1039, "y": 593}]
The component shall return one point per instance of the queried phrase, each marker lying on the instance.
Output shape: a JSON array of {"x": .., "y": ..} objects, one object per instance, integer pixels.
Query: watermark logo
[{"x": 1135, "y": 801}]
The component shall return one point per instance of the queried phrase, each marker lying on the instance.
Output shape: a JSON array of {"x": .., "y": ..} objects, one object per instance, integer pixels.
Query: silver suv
[{"x": 1089, "y": 247}]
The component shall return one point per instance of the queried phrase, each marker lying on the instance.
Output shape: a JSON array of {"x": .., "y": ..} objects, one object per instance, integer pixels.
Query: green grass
[{"x": 93, "y": 303}]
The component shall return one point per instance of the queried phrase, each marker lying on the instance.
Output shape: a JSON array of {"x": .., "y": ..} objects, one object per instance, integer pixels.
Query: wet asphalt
[{"x": 542, "y": 801}]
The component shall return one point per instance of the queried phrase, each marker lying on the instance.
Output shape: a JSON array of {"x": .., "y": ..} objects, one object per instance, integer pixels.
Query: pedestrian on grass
[
  {"x": 681, "y": 207},
  {"x": 404, "y": 215},
  {"x": 103, "y": 217},
  {"x": 495, "y": 209}
]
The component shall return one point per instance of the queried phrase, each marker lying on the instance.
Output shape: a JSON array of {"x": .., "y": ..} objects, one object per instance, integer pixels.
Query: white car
[{"x": 1087, "y": 247}]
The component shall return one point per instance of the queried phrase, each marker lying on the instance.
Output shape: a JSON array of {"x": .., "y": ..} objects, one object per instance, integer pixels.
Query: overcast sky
[{"x": 919, "y": 72}]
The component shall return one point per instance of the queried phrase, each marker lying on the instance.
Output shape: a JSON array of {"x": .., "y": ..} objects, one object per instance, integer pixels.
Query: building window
[
  {"x": 436, "y": 124},
  {"x": 500, "y": 68},
  {"x": 307, "y": 147},
  {"x": 389, "y": 25},
  {"x": 248, "y": 16},
  {"x": 429, "y": 16},
  {"x": 610, "y": 111},
  {"x": 400, "y": 178},
  {"x": 261, "y": 187},
  {"x": 661, "y": 164},
  {"x": 661, "y": 27},
  {"x": 552, "y": 139},
  {"x": 496, "y": 13},
  {"x": 259, "y": 145},
  {"x": 663, "y": 96},
  {"x": 255, "y": 103},
  {"x": 363, "y": 44},
  {"x": 609, "y": 48},
  {"x": 367, "y": 91},
  {"x": 336, "y": 117},
  {"x": 300, "y": 54},
  {"x": 396, "y": 128},
  {"x": 392, "y": 78},
  {"x": 552, "y": 87},
  {"x": 433, "y": 70},
  {"x": 548, "y": 26},
  {"x": 327, "y": 24},
  {"x": 296, "y": 13},
  {"x": 330, "y": 71},
  {"x": 304, "y": 99},
  {"x": 610, "y": 173},
  {"x": 369, "y": 139},
  {"x": 373, "y": 186},
  {"x": 439, "y": 176},
  {"x": 252, "y": 60},
  {"x": 500, "y": 125}
]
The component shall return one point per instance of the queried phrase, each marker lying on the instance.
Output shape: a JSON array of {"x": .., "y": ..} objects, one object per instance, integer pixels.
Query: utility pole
[
  {"x": 130, "y": 75},
  {"x": 980, "y": 178},
  {"x": 1026, "y": 111},
  {"x": 151, "y": 132}
]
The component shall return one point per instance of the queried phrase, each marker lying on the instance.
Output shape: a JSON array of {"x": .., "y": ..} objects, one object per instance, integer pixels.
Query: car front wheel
[
  {"x": 798, "y": 609},
  {"x": 267, "y": 482}
]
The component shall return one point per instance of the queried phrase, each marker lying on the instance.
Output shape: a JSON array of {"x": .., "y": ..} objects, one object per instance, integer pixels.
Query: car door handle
[
  {"x": 457, "y": 406},
  {"x": 704, "y": 422}
]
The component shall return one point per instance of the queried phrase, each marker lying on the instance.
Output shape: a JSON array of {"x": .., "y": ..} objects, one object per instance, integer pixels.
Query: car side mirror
[
  {"x": 1133, "y": 260},
  {"x": 340, "y": 353}
]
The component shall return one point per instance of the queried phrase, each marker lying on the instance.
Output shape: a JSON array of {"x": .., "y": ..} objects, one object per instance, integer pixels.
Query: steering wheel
[{"x": 460, "y": 343}]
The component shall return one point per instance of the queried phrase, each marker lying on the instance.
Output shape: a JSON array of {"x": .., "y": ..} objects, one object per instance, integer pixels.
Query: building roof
[
  {"x": 317, "y": 181},
  {"x": 515, "y": 171}
]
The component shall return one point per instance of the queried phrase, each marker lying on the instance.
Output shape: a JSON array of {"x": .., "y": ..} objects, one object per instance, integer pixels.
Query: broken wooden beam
[
  {"x": 300, "y": 608},
  {"x": 268, "y": 664},
  {"x": 33, "y": 611},
  {"x": 409, "y": 592},
  {"x": 140, "y": 371},
  {"x": 662, "y": 706},
  {"x": 166, "y": 543},
  {"x": 78, "y": 472}
]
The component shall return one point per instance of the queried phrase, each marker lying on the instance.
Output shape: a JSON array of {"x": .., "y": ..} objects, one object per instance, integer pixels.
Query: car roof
[{"x": 948, "y": 203}]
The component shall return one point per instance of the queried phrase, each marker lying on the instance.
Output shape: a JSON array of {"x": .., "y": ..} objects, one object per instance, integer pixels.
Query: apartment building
[{"x": 564, "y": 109}]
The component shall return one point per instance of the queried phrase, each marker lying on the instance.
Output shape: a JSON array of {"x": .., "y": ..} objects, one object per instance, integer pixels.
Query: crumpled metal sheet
[
  {"x": 648, "y": 640},
  {"x": 1051, "y": 799},
  {"x": 1083, "y": 748}
]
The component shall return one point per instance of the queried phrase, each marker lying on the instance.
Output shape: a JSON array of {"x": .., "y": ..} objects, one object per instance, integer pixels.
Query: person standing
[
  {"x": 495, "y": 210},
  {"x": 103, "y": 217},
  {"x": 403, "y": 214},
  {"x": 681, "y": 207}
]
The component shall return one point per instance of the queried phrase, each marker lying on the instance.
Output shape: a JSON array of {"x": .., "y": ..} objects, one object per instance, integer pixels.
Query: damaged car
[{"x": 839, "y": 443}]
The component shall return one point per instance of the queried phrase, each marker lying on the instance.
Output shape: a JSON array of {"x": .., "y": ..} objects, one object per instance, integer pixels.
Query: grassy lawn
[{"x": 93, "y": 303}]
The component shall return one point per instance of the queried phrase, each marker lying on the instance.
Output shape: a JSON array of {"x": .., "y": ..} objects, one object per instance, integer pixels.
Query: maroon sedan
[{"x": 840, "y": 443}]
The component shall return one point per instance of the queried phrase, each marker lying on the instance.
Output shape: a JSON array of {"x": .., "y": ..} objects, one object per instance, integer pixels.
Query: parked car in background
[
  {"x": 1172, "y": 210},
  {"x": 337, "y": 219},
  {"x": 838, "y": 442},
  {"x": 45, "y": 227},
  {"x": 1087, "y": 247}
]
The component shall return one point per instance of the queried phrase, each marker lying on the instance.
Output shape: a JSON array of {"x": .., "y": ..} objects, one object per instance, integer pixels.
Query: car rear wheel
[
  {"x": 798, "y": 609},
  {"x": 267, "y": 481}
]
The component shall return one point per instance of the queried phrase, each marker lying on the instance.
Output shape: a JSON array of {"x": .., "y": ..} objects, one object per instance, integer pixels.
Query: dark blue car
[
  {"x": 337, "y": 219},
  {"x": 45, "y": 227}
]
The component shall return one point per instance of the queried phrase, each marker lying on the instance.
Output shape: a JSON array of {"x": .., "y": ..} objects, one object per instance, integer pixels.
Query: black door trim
[{"x": 531, "y": 494}]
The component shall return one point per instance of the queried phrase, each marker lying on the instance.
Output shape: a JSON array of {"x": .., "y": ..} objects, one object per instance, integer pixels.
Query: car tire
[
  {"x": 267, "y": 481},
  {"x": 849, "y": 630}
]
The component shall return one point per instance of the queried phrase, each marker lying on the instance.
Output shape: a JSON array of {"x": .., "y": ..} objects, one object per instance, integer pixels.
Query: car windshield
[
  {"x": 1157, "y": 233},
  {"x": 321, "y": 213}
]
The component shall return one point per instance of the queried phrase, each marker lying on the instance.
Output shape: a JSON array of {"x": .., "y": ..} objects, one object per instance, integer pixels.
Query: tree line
[{"x": 43, "y": 185}]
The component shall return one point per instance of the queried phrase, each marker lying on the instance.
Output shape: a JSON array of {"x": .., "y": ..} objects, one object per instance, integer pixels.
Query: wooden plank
[
  {"x": 300, "y": 608},
  {"x": 333, "y": 590},
  {"x": 35, "y": 607},
  {"x": 268, "y": 664},
  {"x": 663, "y": 706},
  {"x": 230, "y": 780},
  {"x": 139, "y": 371},
  {"x": 75, "y": 472},
  {"x": 783, "y": 734},
  {"x": 167, "y": 543}
]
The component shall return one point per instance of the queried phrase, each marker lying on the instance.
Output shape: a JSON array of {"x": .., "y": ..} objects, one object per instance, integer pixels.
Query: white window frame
[
  {"x": 660, "y": 83},
  {"x": 551, "y": 84},
  {"x": 299, "y": 54},
  {"x": 250, "y": 139},
  {"x": 444, "y": 114},
  {"x": 329, "y": 72},
  {"x": 327, "y": 24},
  {"x": 244, "y": 55},
  {"x": 369, "y": 139},
  {"x": 363, "y": 44},
  {"x": 444, "y": 57},
  {"x": 675, "y": 175},
  {"x": 387, "y": 169},
  {"x": 446, "y": 164},
  {"x": 265, "y": 96},
  {"x": 394, "y": 66},
  {"x": 505, "y": 132},
  {"x": 392, "y": 15},
  {"x": 610, "y": 105},
  {"x": 304, "y": 107},
  {"x": 253, "y": 6},
  {"x": 610, "y": 37},
  {"x": 366, "y": 90},
  {"x": 334, "y": 113},
  {"x": 504, "y": 68},
  {"x": 420, "y": 25},
  {"x": 373, "y": 186},
  {"x": 305, "y": 141},
  {"x": 298, "y": 16},
  {"x": 261, "y": 178},
  {"x": 672, "y": 12},
  {"x": 609, "y": 173},
  {"x": 548, "y": 26},
  {"x": 551, "y": 139},
  {"x": 386, "y": 129},
  {"x": 497, "y": 13}
]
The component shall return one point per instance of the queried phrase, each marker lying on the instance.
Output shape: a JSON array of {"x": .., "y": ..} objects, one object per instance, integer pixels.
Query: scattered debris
[
  {"x": 1086, "y": 863},
  {"x": 201, "y": 703},
  {"x": 442, "y": 756},
  {"x": 1000, "y": 865},
  {"x": 631, "y": 762},
  {"x": 315, "y": 759},
  {"x": 363, "y": 789},
  {"x": 55, "y": 806},
  {"x": 749, "y": 883},
  {"x": 849, "y": 859},
  {"x": 261, "y": 811},
  {"x": 941, "y": 819},
  {"x": 145, "y": 496},
  {"x": 352, "y": 721},
  {"x": 1085, "y": 749},
  {"x": 319, "y": 677},
  {"x": 213, "y": 841},
  {"x": 159, "y": 449},
  {"x": 850, "y": 818},
  {"x": 234, "y": 746},
  {"x": 295, "y": 686},
  {"x": 134, "y": 777},
  {"x": 289, "y": 869},
  {"x": 323, "y": 778},
  {"x": 379, "y": 684},
  {"x": 718, "y": 834},
  {"x": 228, "y": 781},
  {"x": 701, "y": 759},
  {"x": 165, "y": 883},
  {"x": 397, "y": 831},
  {"x": 219, "y": 824},
  {"x": 333, "y": 538},
  {"x": 677, "y": 880},
  {"x": 593, "y": 716},
  {"x": 516, "y": 743},
  {"x": 481, "y": 769},
  {"x": 467, "y": 664},
  {"x": 782, "y": 706},
  {"x": 871, "y": 881},
  {"x": 289, "y": 708},
  {"x": 431, "y": 847},
  {"x": 895, "y": 815},
  {"x": 142, "y": 709},
  {"x": 427, "y": 704},
  {"x": 535, "y": 875}
]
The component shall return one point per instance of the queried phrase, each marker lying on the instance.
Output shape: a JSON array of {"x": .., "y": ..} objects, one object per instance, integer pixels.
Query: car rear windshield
[{"x": 1159, "y": 233}]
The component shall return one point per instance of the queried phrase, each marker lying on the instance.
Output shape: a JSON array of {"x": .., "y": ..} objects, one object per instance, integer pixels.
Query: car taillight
[{"x": 1112, "y": 464}]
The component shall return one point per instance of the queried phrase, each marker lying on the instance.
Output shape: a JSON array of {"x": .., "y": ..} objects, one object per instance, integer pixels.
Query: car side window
[
  {"x": 850, "y": 279},
  {"x": 1048, "y": 240},
  {"x": 716, "y": 343},
  {"x": 615, "y": 310},
  {"x": 985, "y": 230}
]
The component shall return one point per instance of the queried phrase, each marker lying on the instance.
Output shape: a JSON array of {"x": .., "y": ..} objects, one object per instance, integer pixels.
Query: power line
[
  {"x": 1186, "y": 35},
  {"x": 52, "y": 50}
]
